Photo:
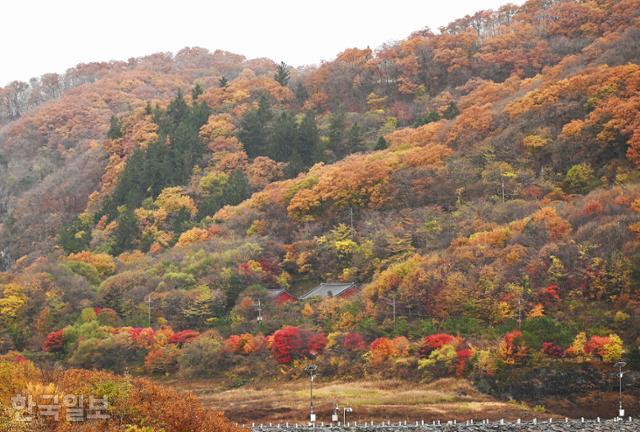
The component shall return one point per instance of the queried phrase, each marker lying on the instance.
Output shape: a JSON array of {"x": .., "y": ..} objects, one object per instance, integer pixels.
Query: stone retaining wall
[{"x": 626, "y": 425}]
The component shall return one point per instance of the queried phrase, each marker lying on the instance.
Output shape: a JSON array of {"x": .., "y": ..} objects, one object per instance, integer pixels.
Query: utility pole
[
  {"x": 620, "y": 365},
  {"x": 351, "y": 216},
  {"x": 259, "y": 311},
  {"x": 394, "y": 311},
  {"x": 345, "y": 410},
  {"x": 519, "y": 314},
  {"x": 393, "y": 308},
  {"x": 311, "y": 370},
  {"x": 148, "y": 301}
]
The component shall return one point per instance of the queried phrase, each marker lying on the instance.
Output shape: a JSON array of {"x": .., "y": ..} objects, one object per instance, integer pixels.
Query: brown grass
[{"x": 377, "y": 400}]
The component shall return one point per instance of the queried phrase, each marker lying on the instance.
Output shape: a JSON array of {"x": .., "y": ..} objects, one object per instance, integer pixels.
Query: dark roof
[
  {"x": 328, "y": 290},
  {"x": 273, "y": 293}
]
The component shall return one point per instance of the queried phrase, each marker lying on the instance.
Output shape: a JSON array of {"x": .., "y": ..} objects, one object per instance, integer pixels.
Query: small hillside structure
[
  {"x": 280, "y": 296},
  {"x": 324, "y": 290}
]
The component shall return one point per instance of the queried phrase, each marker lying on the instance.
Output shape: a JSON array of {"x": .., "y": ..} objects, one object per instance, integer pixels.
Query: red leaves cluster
[
  {"x": 463, "y": 357},
  {"x": 434, "y": 342},
  {"x": 54, "y": 342},
  {"x": 183, "y": 337},
  {"x": 512, "y": 348},
  {"x": 290, "y": 343},
  {"x": 549, "y": 294},
  {"x": 552, "y": 350},
  {"x": 595, "y": 345},
  {"x": 354, "y": 342},
  {"x": 245, "y": 343},
  {"x": 143, "y": 337},
  {"x": 384, "y": 348}
]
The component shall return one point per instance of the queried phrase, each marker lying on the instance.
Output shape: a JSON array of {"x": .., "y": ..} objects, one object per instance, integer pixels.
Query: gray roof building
[{"x": 331, "y": 290}]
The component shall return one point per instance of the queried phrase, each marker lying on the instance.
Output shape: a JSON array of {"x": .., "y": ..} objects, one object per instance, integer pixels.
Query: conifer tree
[
  {"x": 115, "y": 129},
  {"x": 381, "y": 144},
  {"x": 282, "y": 74},
  {"x": 336, "y": 133},
  {"x": 308, "y": 140},
  {"x": 254, "y": 128}
]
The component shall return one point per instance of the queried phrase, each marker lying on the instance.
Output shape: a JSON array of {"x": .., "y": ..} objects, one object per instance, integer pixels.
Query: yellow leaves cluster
[
  {"x": 535, "y": 141},
  {"x": 131, "y": 257},
  {"x": 103, "y": 263},
  {"x": 263, "y": 170},
  {"x": 421, "y": 136},
  {"x": 192, "y": 236},
  {"x": 359, "y": 180},
  {"x": 245, "y": 87},
  {"x": 218, "y": 126},
  {"x": 556, "y": 226},
  {"x": 172, "y": 200},
  {"x": 471, "y": 125},
  {"x": 11, "y": 301}
]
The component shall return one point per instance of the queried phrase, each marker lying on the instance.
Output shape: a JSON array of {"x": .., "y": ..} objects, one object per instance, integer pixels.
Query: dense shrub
[
  {"x": 291, "y": 343},
  {"x": 54, "y": 342}
]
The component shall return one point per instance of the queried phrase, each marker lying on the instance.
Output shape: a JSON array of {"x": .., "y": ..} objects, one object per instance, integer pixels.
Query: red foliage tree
[
  {"x": 434, "y": 342},
  {"x": 54, "y": 342},
  {"x": 290, "y": 343},
  {"x": 287, "y": 344},
  {"x": 595, "y": 345},
  {"x": 353, "y": 342},
  {"x": 463, "y": 357},
  {"x": 552, "y": 350},
  {"x": 549, "y": 294},
  {"x": 183, "y": 337}
]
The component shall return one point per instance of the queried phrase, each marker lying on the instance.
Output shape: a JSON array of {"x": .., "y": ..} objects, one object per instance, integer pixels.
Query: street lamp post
[
  {"x": 311, "y": 370},
  {"x": 334, "y": 416},
  {"x": 345, "y": 410},
  {"x": 620, "y": 365}
]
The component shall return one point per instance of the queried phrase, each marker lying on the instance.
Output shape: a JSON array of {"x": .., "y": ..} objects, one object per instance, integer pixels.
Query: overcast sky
[{"x": 52, "y": 36}]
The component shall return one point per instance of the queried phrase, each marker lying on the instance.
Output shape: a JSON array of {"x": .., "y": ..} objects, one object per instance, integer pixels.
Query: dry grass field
[{"x": 391, "y": 400}]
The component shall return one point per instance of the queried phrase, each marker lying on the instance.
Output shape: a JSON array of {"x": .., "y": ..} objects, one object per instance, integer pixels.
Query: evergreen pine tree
[
  {"x": 115, "y": 129},
  {"x": 451, "y": 112},
  {"x": 196, "y": 91},
  {"x": 223, "y": 82},
  {"x": 126, "y": 232},
  {"x": 282, "y": 74},
  {"x": 283, "y": 137},
  {"x": 336, "y": 133},
  {"x": 381, "y": 144},
  {"x": 301, "y": 93},
  {"x": 355, "y": 138},
  {"x": 237, "y": 188},
  {"x": 254, "y": 128},
  {"x": 308, "y": 140}
]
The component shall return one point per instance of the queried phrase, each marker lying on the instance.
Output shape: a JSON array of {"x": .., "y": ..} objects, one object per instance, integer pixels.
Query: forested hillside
[{"x": 479, "y": 183}]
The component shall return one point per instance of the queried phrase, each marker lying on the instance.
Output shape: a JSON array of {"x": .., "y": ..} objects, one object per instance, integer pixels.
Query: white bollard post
[{"x": 598, "y": 419}]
